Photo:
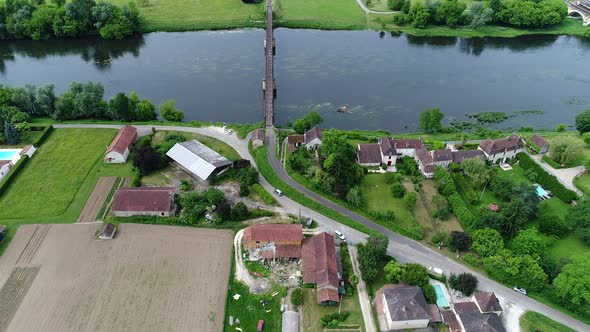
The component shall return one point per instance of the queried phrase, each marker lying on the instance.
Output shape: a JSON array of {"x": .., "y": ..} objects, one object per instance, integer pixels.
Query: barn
[
  {"x": 198, "y": 159},
  {"x": 120, "y": 147},
  {"x": 154, "y": 201}
]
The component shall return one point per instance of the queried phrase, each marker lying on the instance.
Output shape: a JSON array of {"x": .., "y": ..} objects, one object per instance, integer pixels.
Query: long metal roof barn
[{"x": 198, "y": 158}]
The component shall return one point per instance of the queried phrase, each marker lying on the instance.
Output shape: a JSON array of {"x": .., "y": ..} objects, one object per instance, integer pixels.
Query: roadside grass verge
[
  {"x": 319, "y": 14},
  {"x": 533, "y": 321},
  {"x": 264, "y": 167},
  {"x": 264, "y": 195}
]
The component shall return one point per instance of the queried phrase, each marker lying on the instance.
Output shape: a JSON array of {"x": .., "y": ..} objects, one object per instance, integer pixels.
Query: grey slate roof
[
  {"x": 539, "y": 141},
  {"x": 442, "y": 155},
  {"x": 487, "y": 302},
  {"x": 406, "y": 303},
  {"x": 459, "y": 156},
  {"x": 495, "y": 146},
  {"x": 312, "y": 134},
  {"x": 474, "y": 321},
  {"x": 369, "y": 153},
  {"x": 387, "y": 146}
]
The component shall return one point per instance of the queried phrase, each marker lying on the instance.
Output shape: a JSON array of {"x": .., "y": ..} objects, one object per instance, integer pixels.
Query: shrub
[
  {"x": 239, "y": 212},
  {"x": 560, "y": 127},
  {"x": 297, "y": 297},
  {"x": 244, "y": 190},
  {"x": 264, "y": 195},
  {"x": 169, "y": 112},
  {"x": 547, "y": 180},
  {"x": 440, "y": 238},
  {"x": 410, "y": 199},
  {"x": 185, "y": 185},
  {"x": 397, "y": 190},
  {"x": 391, "y": 178},
  {"x": 136, "y": 181},
  {"x": 43, "y": 136},
  {"x": 551, "y": 224},
  {"x": 471, "y": 259},
  {"x": 332, "y": 320},
  {"x": 466, "y": 283}
]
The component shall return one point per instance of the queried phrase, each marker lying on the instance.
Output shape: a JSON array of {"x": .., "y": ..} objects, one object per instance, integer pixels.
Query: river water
[{"x": 384, "y": 79}]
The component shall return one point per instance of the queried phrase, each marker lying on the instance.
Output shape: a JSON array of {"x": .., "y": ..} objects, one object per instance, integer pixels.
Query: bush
[
  {"x": 397, "y": 190},
  {"x": 332, "y": 320},
  {"x": 466, "y": 283},
  {"x": 244, "y": 190},
  {"x": 239, "y": 212},
  {"x": 471, "y": 259},
  {"x": 551, "y": 224},
  {"x": 410, "y": 199},
  {"x": 185, "y": 185},
  {"x": 136, "y": 181},
  {"x": 264, "y": 195},
  {"x": 547, "y": 180},
  {"x": 169, "y": 112},
  {"x": 297, "y": 297}
]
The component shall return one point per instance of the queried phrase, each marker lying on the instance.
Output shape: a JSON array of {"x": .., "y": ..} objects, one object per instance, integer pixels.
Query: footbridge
[
  {"x": 579, "y": 8},
  {"x": 269, "y": 85}
]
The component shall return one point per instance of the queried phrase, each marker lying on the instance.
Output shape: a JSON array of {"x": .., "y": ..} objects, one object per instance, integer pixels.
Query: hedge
[
  {"x": 7, "y": 180},
  {"x": 551, "y": 162},
  {"x": 43, "y": 136},
  {"x": 264, "y": 195},
  {"x": 547, "y": 180},
  {"x": 467, "y": 218}
]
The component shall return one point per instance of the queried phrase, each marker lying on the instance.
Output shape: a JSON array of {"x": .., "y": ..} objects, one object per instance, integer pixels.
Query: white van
[
  {"x": 340, "y": 235},
  {"x": 278, "y": 192}
]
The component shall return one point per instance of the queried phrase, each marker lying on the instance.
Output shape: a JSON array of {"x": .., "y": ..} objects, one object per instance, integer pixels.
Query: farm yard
[{"x": 149, "y": 278}]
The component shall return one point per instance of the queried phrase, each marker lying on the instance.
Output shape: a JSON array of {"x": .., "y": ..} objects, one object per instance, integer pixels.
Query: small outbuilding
[
  {"x": 153, "y": 201},
  {"x": 108, "y": 232},
  {"x": 258, "y": 138},
  {"x": 313, "y": 138},
  {"x": 199, "y": 159},
  {"x": 121, "y": 146},
  {"x": 540, "y": 143}
]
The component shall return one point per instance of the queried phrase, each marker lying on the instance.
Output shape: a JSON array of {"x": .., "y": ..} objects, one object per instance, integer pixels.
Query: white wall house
[
  {"x": 500, "y": 150},
  {"x": 313, "y": 138},
  {"x": 405, "y": 308},
  {"x": 118, "y": 151}
]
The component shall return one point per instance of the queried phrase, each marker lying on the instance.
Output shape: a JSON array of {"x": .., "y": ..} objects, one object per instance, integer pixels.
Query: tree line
[
  {"x": 40, "y": 19},
  {"x": 452, "y": 13}
]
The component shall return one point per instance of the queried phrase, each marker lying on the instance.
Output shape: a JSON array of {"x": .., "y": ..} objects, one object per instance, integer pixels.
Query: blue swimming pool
[
  {"x": 8, "y": 154},
  {"x": 441, "y": 300},
  {"x": 541, "y": 191}
]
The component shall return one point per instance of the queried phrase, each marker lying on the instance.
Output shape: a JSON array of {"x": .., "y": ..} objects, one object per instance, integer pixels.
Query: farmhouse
[
  {"x": 402, "y": 307},
  {"x": 428, "y": 160},
  {"x": 198, "y": 159},
  {"x": 479, "y": 315},
  {"x": 5, "y": 166},
  {"x": 273, "y": 241},
  {"x": 152, "y": 201},
  {"x": 386, "y": 151},
  {"x": 121, "y": 146},
  {"x": 313, "y": 138},
  {"x": 368, "y": 155},
  {"x": 540, "y": 143},
  {"x": 258, "y": 138},
  {"x": 500, "y": 150},
  {"x": 319, "y": 266}
]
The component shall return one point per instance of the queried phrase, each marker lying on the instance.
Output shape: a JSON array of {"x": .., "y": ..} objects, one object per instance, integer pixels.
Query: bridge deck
[{"x": 269, "y": 75}]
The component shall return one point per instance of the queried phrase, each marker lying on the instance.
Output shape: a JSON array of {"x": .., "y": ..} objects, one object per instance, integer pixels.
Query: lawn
[
  {"x": 533, "y": 321},
  {"x": 378, "y": 197},
  {"x": 222, "y": 148},
  {"x": 26, "y": 138},
  {"x": 183, "y": 15},
  {"x": 319, "y": 14},
  {"x": 312, "y": 312},
  {"x": 377, "y": 5},
  {"x": 583, "y": 183},
  {"x": 568, "y": 247}
]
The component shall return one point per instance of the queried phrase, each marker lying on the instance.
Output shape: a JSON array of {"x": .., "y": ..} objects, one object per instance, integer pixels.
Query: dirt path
[
  {"x": 97, "y": 197},
  {"x": 364, "y": 299},
  {"x": 256, "y": 286}
]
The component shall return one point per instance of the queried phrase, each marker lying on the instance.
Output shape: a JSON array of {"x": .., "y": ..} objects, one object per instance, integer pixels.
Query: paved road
[{"x": 403, "y": 249}]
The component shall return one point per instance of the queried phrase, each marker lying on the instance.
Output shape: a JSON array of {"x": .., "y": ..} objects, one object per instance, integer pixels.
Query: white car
[
  {"x": 278, "y": 192},
  {"x": 230, "y": 131},
  {"x": 340, "y": 235},
  {"x": 520, "y": 290}
]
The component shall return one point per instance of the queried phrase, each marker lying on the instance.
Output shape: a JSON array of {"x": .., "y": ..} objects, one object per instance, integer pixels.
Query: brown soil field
[
  {"x": 96, "y": 199},
  {"x": 149, "y": 278}
]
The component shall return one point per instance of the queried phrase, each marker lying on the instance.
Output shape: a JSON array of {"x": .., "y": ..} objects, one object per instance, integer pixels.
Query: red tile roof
[
  {"x": 407, "y": 143},
  {"x": 495, "y": 146},
  {"x": 143, "y": 199},
  {"x": 539, "y": 141},
  {"x": 124, "y": 139},
  {"x": 274, "y": 233},
  {"x": 327, "y": 294},
  {"x": 318, "y": 262}
]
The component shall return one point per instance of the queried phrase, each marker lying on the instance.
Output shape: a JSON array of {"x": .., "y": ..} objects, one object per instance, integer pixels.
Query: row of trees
[
  {"x": 80, "y": 101},
  {"x": 38, "y": 19},
  {"x": 451, "y": 13}
]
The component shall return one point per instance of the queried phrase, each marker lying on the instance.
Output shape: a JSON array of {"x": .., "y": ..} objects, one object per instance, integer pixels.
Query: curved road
[{"x": 402, "y": 248}]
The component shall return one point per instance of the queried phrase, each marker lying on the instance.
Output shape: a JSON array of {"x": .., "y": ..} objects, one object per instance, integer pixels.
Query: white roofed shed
[{"x": 198, "y": 158}]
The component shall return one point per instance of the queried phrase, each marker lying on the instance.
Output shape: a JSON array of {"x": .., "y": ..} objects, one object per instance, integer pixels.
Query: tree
[
  {"x": 487, "y": 242},
  {"x": 395, "y": 5},
  {"x": 340, "y": 162},
  {"x": 415, "y": 275},
  {"x": 560, "y": 127},
  {"x": 578, "y": 219},
  {"x": 477, "y": 171},
  {"x": 307, "y": 122},
  {"x": 431, "y": 119},
  {"x": 45, "y": 100},
  {"x": 526, "y": 13},
  {"x": 551, "y": 224},
  {"x": 450, "y": 12},
  {"x": 102, "y": 13},
  {"x": 297, "y": 297},
  {"x": 355, "y": 197},
  {"x": 11, "y": 135},
  {"x": 370, "y": 254},
  {"x": 529, "y": 242},
  {"x": 491, "y": 219},
  {"x": 419, "y": 15},
  {"x": 397, "y": 190},
  {"x": 583, "y": 121},
  {"x": 394, "y": 271},
  {"x": 460, "y": 240},
  {"x": 466, "y": 283},
  {"x": 410, "y": 198},
  {"x": 120, "y": 108},
  {"x": 565, "y": 150},
  {"x": 521, "y": 270},
  {"x": 573, "y": 283},
  {"x": 169, "y": 112},
  {"x": 147, "y": 159},
  {"x": 479, "y": 15},
  {"x": 239, "y": 212},
  {"x": 502, "y": 188},
  {"x": 40, "y": 26}
]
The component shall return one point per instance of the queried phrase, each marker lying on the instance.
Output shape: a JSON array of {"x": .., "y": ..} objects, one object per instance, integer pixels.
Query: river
[{"x": 384, "y": 79}]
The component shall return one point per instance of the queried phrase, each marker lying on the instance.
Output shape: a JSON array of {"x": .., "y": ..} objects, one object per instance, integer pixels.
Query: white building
[
  {"x": 198, "y": 159},
  {"x": 500, "y": 150},
  {"x": 313, "y": 138},
  {"x": 120, "y": 147},
  {"x": 404, "y": 307}
]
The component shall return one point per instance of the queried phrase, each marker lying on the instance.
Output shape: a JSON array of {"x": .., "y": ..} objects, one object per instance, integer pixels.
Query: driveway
[
  {"x": 565, "y": 175},
  {"x": 405, "y": 250}
]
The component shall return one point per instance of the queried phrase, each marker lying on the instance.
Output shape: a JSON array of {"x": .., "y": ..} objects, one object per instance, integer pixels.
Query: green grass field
[
  {"x": 378, "y": 197},
  {"x": 568, "y": 247},
  {"x": 185, "y": 15},
  {"x": 312, "y": 312},
  {"x": 320, "y": 14},
  {"x": 532, "y": 321}
]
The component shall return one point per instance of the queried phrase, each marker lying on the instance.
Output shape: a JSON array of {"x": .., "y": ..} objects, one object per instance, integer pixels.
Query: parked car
[
  {"x": 230, "y": 131},
  {"x": 278, "y": 192},
  {"x": 435, "y": 271},
  {"x": 520, "y": 290},
  {"x": 340, "y": 235}
]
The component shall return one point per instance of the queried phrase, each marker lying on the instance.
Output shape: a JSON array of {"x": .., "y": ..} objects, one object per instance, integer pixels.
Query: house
[
  {"x": 442, "y": 157},
  {"x": 459, "y": 156},
  {"x": 368, "y": 155},
  {"x": 108, "y": 232},
  {"x": 540, "y": 143},
  {"x": 407, "y": 147},
  {"x": 272, "y": 241},
  {"x": 425, "y": 162},
  {"x": 121, "y": 146},
  {"x": 258, "y": 138},
  {"x": 313, "y": 138},
  {"x": 487, "y": 303},
  {"x": 401, "y": 307},
  {"x": 386, "y": 151},
  {"x": 5, "y": 166},
  {"x": 500, "y": 150},
  {"x": 153, "y": 201},
  {"x": 199, "y": 159},
  {"x": 294, "y": 142},
  {"x": 473, "y": 320},
  {"x": 319, "y": 267}
]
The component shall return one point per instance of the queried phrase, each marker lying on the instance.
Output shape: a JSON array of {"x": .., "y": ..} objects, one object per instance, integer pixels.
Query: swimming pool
[
  {"x": 540, "y": 191},
  {"x": 8, "y": 154},
  {"x": 441, "y": 300}
]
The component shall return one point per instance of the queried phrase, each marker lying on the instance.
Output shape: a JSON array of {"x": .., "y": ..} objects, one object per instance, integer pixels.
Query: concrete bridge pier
[{"x": 579, "y": 9}]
